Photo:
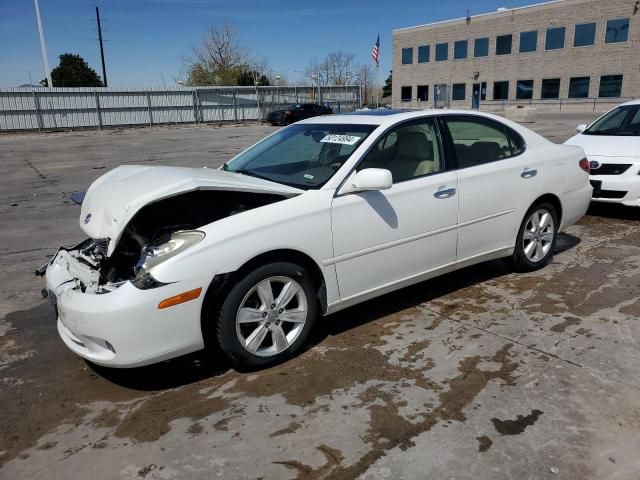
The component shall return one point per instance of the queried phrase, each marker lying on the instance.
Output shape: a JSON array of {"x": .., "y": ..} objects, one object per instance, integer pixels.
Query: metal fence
[
  {"x": 65, "y": 108},
  {"x": 555, "y": 105}
]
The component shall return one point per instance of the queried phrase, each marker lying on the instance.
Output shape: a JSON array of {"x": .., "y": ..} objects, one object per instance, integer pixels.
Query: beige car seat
[{"x": 413, "y": 158}]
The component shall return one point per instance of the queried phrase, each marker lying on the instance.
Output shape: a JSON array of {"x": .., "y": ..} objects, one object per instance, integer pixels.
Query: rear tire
[
  {"x": 267, "y": 316},
  {"x": 536, "y": 238}
]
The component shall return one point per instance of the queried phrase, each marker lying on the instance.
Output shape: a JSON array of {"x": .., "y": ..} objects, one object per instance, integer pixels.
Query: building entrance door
[
  {"x": 475, "y": 96},
  {"x": 440, "y": 96}
]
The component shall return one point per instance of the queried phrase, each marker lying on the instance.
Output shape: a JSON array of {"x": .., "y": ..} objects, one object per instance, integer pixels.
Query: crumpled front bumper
[{"x": 122, "y": 327}]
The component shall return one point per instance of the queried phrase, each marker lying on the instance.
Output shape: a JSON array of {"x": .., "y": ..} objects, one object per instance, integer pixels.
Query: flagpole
[
  {"x": 43, "y": 46},
  {"x": 365, "y": 87},
  {"x": 378, "y": 77}
]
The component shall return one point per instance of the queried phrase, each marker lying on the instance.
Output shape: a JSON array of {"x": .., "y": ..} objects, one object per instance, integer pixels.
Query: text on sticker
[{"x": 341, "y": 139}]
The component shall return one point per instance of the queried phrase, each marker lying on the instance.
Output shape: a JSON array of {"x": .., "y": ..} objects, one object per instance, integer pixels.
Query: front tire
[
  {"x": 267, "y": 316},
  {"x": 536, "y": 239}
]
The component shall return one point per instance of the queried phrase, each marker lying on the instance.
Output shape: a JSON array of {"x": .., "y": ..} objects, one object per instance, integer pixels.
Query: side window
[
  {"x": 477, "y": 140},
  {"x": 517, "y": 142},
  {"x": 407, "y": 151}
]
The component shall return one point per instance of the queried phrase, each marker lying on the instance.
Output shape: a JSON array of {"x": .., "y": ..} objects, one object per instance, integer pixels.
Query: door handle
[
  {"x": 445, "y": 193},
  {"x": 529, "y": 173}
]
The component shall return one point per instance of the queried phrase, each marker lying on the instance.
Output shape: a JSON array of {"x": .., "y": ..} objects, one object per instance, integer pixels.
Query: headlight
[{"x": 154, "y": 255}]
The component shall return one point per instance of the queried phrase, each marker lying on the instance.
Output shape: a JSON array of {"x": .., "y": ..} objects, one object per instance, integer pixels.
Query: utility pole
[
  {"x": 43, "y": 45},
  {"x": 104, "y": 69}
]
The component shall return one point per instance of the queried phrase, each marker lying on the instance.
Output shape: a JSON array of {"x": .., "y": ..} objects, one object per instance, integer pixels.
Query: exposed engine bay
[{"x": 152, "y": 226}]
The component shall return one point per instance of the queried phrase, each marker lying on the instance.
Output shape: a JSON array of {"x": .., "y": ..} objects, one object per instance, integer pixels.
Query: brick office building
[{"x": 565, "y": 50}]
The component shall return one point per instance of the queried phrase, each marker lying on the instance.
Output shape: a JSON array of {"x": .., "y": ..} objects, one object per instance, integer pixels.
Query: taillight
[{"x": 584, "y": 165}]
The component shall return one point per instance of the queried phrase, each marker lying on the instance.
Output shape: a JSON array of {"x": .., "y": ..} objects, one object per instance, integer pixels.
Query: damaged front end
[
  {"x": 103, "y": 290},
  {"x": 157, "y": 232},
  {"x": 80, "y": 265}
]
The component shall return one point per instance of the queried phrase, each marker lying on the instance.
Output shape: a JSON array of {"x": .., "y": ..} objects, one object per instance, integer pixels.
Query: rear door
[{"x": 498, "y": 180}]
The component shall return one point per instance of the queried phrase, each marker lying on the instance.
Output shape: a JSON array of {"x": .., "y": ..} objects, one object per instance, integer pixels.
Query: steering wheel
[{"x": 328, "y": 153}]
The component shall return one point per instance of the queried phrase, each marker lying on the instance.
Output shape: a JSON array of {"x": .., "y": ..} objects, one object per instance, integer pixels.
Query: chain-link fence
[{"x": 66, "y": 108}]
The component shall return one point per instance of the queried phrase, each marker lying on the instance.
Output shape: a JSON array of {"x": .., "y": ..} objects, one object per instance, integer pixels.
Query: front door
[{"x": 383, "y": 239}]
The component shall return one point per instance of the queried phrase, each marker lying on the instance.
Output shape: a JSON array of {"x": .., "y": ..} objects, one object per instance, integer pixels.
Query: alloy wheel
[
  {"x": 271, "y": 316},
  {"x": 537, "y": 238}
]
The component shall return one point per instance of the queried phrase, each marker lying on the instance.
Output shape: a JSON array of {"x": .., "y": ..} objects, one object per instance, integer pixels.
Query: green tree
[
  {"x": 251, "y": 78},
  {"x": 386, "y": 89},
  {"x": 73, "y": 71}
]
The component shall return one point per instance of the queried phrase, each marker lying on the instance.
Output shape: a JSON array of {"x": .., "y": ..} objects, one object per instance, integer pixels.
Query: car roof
[
  {"x": 631, "y": 102},
  {"x": 389, "y": 117},
  {"x": 378, "y": 112}
]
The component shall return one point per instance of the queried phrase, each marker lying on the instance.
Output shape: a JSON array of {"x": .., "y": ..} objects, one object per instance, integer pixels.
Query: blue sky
[{"x": 147, "y": 38}]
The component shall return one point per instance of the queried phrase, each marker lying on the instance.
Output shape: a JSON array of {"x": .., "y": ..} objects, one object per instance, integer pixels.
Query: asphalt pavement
[{"x": 482, "y": 373}]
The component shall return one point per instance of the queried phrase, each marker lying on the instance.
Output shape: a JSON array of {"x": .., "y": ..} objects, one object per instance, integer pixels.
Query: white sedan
[
  {"x": 318, "y": 216},
  {"x": 612, "y": 145}
]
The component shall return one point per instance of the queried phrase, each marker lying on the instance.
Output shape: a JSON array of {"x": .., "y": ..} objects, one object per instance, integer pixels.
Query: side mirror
[
  {"x": 581, "y": 128},
  {"x": 366, "y": 180}
]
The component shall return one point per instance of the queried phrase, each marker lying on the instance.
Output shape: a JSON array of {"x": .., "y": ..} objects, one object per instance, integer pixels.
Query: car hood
[
  {"x": 114, "y": 198},
  {"x": 607, "y": 145}
]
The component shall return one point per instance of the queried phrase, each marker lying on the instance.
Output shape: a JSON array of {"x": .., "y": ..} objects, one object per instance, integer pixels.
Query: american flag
[{"x": 375, "y": 52}]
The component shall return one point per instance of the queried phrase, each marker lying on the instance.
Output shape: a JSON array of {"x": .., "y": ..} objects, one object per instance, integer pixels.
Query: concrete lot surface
[{"x": 483, "y": 373}]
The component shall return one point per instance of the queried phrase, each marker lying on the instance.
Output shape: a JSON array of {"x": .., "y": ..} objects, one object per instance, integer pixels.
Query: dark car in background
[{"x": 296, "y": 112}]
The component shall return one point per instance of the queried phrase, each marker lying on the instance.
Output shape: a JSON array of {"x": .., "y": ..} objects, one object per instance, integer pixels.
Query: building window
[
  {"x": 460, "y": 49},
  {"x": 407, "y": 56},
  {"x": 405, "y": 93},
  {"x": 458, "y": 91},
  {"x": 442, "y": 52},
  {"x": 617, "y": 31},
  {"x": 528, "y": 41},
  {"x": 610, "y": 86},
  {"x": 424, "y": 52},
  {"x": 585, "y": 35},
  {"x": 423, "y": 92},
  {"x": 524, "y": 89},
  {"x": 503, "y": 44},
  {"x": 481, "y": 47},
  {"x": 500, "y": 90},
  {"x": 550, "y": 88},
  {"x": 555, "y": 38},
  {"x": 579, "y": 87}
]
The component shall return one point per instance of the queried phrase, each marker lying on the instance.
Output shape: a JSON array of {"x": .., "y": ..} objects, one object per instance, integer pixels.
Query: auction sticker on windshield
[{"x": 341, "y": 139}]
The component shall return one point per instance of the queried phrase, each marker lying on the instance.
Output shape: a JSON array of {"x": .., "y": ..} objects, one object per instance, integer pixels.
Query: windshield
[
  {"x": 621, "y": 121},
  {"x": 303, "y": 156}
]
